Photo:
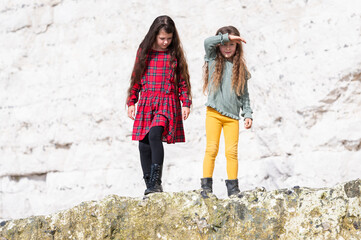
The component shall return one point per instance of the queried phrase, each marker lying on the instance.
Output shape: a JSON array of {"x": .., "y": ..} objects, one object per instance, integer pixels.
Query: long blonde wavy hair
[{"x": 239, "y": 71}]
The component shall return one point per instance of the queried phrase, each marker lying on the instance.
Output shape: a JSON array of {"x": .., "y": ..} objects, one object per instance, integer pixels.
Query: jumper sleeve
[
  {"x": 211, "y": 43},
  {"x": 246, "y": 105},
  {"x": 183, "y": 93}
]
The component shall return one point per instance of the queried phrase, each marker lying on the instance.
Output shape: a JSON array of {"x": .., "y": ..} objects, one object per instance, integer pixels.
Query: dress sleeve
[
  {"x": 134, "y": 95},
  {"x": 211, "y": 43},
  {"x": 183, "y": 93},
  {"x": 246, "y": 104},
  {"x": 134, "y": 92}
]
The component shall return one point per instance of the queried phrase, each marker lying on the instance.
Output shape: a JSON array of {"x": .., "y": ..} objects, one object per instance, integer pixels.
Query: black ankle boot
[
  {"x": 206, "y": 185},
  {"x": 232, "y": 187},
  {"x": 155, "y": 184},
  {"x": 146, "y": 178}
]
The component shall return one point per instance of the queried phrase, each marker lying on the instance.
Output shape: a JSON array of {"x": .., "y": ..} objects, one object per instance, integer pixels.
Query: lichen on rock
[{"x": 298, "y": 213}]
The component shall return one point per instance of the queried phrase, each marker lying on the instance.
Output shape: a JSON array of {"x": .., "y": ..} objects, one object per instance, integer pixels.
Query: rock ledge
[{"x": 298, "y": 213}]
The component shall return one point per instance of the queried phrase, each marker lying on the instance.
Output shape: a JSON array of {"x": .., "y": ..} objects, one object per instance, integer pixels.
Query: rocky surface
[
  {"x": 297, "y": 213},
  {"x": 65, "y": 67}
]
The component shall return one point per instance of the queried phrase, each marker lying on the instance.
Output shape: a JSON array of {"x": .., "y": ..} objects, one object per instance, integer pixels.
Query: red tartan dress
[{"x": 158, "y": 103}]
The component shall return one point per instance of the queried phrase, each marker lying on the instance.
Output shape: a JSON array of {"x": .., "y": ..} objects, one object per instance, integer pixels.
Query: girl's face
[
  {"x": 163, "y": 40},
  {"x": 228, "y": 49}
]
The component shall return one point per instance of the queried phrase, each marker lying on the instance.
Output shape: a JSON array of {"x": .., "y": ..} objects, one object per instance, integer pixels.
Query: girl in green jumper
[{"x": 225, "y": 81}]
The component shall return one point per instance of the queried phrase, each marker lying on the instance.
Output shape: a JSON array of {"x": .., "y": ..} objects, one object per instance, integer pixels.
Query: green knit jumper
[{"x": 224, "y": 99}]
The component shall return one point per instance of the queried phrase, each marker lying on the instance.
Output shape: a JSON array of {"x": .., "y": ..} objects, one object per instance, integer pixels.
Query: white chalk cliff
[{"x": 64, "y": 71}]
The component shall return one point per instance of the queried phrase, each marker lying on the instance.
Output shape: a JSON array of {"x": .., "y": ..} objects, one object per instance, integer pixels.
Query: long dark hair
[
  {"x": 175, "y": 48},
  {"x": 239, "y": 71}
]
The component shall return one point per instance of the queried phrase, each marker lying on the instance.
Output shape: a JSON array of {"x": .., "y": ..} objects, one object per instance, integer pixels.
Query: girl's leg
[
  {"x": 145, "y": 155},
  {"x": 156, "y": 144},
  {"x": 231, "y": 132},
  {"x": 213, "y": 133}
]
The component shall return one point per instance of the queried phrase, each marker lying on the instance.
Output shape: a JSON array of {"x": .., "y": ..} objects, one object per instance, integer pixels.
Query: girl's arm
[
  {"x": 236, "y": 39},
  {"x": 246, "y": 105},
  {"x": 183, "y": 94},
  {"x": 211, "y": 43},
  {"x": 132, "y": 100},
  {"x": 184, "y": 97},
  {"x": 134, "y": 94},
  {"x": 134, "y": 91}
]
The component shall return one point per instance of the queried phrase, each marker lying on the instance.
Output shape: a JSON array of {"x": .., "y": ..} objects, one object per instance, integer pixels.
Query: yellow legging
[{"x": 214, "y": 124}]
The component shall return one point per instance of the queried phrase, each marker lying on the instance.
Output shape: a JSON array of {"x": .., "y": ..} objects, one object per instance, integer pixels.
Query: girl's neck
[
  {"x": 229, "y": 59},
  {"x": 155, "y": 48}
]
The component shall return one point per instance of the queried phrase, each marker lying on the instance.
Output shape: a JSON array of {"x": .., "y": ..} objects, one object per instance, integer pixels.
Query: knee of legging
[
  {"x": 212, "y": 150},
  {"x": 143, "y": 147},
  {"x": 155, "y": 134},
  {"x": 232, "y": 153}
]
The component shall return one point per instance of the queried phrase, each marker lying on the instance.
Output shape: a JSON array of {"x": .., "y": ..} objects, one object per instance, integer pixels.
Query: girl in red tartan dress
[{"x": 161, "y": 78}]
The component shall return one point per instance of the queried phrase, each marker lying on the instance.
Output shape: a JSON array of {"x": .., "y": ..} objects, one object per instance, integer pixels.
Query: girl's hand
[
  {"x": 185, "y": 112},
  {"x": 247, "y": 123},
  {"x": 236, "y": 39},
  {"x": 131, "y": 112}
]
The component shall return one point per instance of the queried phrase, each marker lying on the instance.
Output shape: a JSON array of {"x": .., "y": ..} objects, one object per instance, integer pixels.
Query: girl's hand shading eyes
[{"x": 236, "y": 39}]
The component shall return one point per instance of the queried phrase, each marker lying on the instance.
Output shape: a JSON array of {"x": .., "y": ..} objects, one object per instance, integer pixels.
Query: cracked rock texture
[
  {"x": 297, "y": 213},
  {"x": 64, "y": 71}
]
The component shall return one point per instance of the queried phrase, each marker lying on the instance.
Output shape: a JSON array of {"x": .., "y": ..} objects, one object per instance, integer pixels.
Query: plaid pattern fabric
[{"x": 158, "y": 103}]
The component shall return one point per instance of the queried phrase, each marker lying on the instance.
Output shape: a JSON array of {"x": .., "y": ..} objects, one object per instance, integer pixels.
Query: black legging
[{"x": 151, "y": 149}]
